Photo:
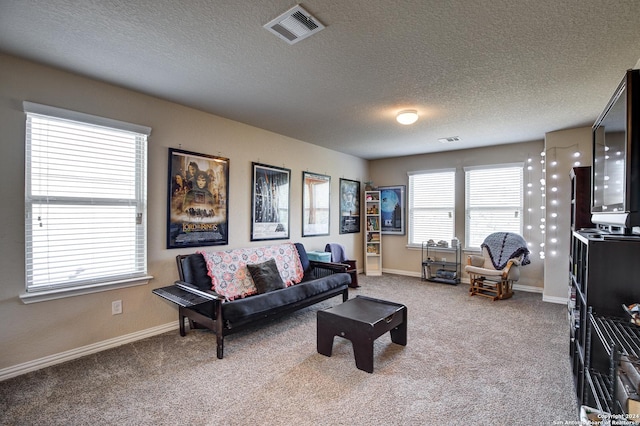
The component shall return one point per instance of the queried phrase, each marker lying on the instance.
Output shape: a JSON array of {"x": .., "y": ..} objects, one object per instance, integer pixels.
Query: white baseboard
[
  {"x": 401, "y": 272},
  {"x": 555, "y": 299},
  {"x": 520, "y": 287},
  {"x": 528, "y": 288},
  {"x": 16, "y": 370}
]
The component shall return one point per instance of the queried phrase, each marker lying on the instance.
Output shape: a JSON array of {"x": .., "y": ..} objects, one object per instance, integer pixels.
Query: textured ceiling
[{"x": 488, "y": 71}]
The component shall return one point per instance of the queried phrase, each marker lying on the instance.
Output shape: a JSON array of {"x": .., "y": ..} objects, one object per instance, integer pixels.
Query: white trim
[
  {"x": 493, "y": 166},
  {"x": 555, "y": 299},
  {"x": 37, "y": 364},
  {"x": 525, "y": 288},
  {"x": 401, "y": 272},
  {"x": 528, "y": 288},
  {"x": 59, "y": 293},
  {"x": 422, "y": 172},
  {"x": 33, "y": 108}
]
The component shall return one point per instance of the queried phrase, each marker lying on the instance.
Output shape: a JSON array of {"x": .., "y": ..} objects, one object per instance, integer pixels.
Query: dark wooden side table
[
  {"x": 353, "y": 271},
  {"x": 361, "y": 320}
]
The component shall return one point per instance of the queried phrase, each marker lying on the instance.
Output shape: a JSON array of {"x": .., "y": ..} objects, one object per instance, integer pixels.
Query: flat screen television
[{"x": 615, "y": 195}]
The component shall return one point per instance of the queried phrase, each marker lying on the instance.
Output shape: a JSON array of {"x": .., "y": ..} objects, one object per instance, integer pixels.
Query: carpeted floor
[{"x": 469, "y": 361}]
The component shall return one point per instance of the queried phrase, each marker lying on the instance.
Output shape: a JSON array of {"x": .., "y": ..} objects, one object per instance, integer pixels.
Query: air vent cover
[
  {"x": 449, "y": 139},
  {"x": 294, "y": 25}
]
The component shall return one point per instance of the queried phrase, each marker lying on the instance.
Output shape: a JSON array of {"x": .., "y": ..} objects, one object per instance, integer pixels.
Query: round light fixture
[{"x": 407, "y": 116}]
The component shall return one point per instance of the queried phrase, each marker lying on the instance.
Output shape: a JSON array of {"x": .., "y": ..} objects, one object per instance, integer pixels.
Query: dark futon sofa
[{"x": 206, "y": 308}]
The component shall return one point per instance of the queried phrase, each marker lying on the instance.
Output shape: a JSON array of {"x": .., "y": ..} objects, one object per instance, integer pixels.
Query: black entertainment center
[{"x": 605, "y": 262}]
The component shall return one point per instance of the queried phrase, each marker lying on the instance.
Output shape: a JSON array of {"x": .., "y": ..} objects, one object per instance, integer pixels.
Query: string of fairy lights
[
  {"x": 550, "y": 200},
  {"x": 531, "y": 234}
]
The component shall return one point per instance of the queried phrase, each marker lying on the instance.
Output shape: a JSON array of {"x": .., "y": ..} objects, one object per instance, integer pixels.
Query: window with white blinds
[
  {"x": 85, "y": 199},
  {"x": 432, "y": 206},
  {"x": 494, "y": 201}
]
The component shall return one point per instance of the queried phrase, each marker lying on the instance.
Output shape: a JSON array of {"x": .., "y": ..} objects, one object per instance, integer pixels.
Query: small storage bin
[{"x": 319, "y": 256}]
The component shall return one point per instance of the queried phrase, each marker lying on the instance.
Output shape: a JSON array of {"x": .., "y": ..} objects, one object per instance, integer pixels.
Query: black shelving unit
[
  {"x": 578, "y": 256},
  {"x": 620, "y": 340},
  {"x": 441, "y": 264},
  {"x": 604, "y": 270},
  {"x": 580, "y": 198}
]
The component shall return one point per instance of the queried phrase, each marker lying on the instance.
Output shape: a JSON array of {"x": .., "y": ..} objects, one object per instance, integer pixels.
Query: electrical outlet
[{"x": 116, "y": 307}]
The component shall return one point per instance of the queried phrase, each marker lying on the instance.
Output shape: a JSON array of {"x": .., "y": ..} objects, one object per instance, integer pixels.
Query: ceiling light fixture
[{"x": 407, "y": 116}]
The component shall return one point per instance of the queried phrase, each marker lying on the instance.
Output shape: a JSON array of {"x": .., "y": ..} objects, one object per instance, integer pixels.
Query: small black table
[{"x": 361, "y": 320}]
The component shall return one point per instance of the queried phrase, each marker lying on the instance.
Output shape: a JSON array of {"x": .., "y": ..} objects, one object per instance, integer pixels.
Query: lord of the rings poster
[{"x": 197, "y": 207}]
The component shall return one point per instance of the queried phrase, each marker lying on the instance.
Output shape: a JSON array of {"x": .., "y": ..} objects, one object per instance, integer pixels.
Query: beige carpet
[{"x": 469, "y": 361}]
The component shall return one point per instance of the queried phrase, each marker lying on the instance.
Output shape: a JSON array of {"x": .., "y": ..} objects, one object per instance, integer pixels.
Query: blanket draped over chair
[
  {"x": 503, "y": 246},
  {"x": 231, "y": 278},
  {"x": 337, "y": 251}
]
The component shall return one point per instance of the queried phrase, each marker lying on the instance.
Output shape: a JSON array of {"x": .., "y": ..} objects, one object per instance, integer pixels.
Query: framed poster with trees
[{"x": 270, "y": 202}]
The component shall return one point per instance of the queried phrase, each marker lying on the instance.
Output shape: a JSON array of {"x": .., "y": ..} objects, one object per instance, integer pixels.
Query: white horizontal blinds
[
  {"x": 431, "y": 206},
  {"x": 494, "y": 201},
  {"x": 85, "y": 203}
]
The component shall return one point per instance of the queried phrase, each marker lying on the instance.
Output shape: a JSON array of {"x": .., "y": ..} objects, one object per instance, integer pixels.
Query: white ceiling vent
[
  {"x": 449, "y": 139},
  {"x": 294, "y": 25}
]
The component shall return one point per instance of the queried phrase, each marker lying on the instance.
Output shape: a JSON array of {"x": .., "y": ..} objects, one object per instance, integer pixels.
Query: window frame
[
  {"x": 411, "y": 200},
  {"x": 468, "y": 208},
  {"x": 37, "y": 293}
]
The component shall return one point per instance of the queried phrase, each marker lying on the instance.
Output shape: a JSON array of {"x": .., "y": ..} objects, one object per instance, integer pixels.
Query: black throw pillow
[{"x": 266, "y": 276}]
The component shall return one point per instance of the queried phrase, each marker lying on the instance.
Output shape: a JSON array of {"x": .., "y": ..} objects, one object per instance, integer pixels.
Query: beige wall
[
  {"x": 38, "y": 330},
  {"x": 393, "y": 171},
  {"x": 43, "y": 330},
  {"x": 547, "y": 274}
]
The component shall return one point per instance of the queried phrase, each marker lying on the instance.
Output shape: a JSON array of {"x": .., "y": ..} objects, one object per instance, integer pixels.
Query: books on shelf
[{"x": 373, "y": 249}]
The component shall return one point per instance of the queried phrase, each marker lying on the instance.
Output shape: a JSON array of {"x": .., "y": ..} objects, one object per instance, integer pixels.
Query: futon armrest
[
  {"x": 329, "y": 266},
  {"x": 212, "y": 295}
]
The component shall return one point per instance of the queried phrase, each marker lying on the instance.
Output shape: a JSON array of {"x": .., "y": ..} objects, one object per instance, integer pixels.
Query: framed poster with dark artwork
[
  {"x": 270, "y": 202},
  {"x": 349, "y": 206},
  {"x": 197, "y": 206},
  {"x": 392, "y": 209},
  {"x": 316, "y": 195}
]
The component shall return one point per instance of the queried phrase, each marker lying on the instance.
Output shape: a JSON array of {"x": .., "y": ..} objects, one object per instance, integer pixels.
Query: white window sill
[{"x": 59, "y": 293}]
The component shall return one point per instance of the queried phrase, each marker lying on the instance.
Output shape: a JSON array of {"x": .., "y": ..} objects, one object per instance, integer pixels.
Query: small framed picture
[
  {"x": 316, "y": 197},
  {"x": 349, "y": 206},
  {"x": 270, "y": 202},
  {"x": 392, "y": 209}
]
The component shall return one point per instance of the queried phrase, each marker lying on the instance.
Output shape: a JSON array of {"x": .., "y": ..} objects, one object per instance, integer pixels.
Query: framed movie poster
[
  {"x": 349, "y": 206},
  {"x": 392, "y": 209},
  {"x": 197, "y": 207},
  {"x": 270, "y": 202},
  {"x": 316, "y": 194}
]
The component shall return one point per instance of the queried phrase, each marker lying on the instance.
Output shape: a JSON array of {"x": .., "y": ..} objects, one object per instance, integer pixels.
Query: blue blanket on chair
[
  {"x": 503, "y": 246},
  {"x": 338, "y": 253}
]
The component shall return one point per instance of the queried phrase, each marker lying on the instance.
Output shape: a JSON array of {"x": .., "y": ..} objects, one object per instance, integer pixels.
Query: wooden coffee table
[{"x": 362, "y": 320}]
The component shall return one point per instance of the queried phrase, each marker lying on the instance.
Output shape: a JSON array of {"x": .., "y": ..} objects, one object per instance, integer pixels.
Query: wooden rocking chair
[{"x": 490, "y": 282}]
